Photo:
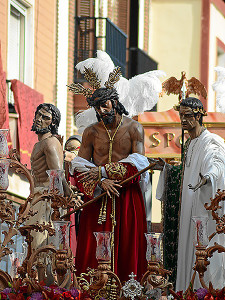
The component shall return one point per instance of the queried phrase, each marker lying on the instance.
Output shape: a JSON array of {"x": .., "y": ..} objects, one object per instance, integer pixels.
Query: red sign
[{"x": 163, "y": 131}]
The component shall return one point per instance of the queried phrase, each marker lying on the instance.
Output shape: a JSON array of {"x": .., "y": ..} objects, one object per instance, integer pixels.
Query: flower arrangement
[
  {"x": 17, "y": 291},
  {"x": 200, "y": 294}
]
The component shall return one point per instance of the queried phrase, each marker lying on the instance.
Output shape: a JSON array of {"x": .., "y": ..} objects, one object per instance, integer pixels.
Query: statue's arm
[
  {"x": 86, "y": 148},
  {"x": 86, "y": 152},
  {"x": 54, "y": 154}
]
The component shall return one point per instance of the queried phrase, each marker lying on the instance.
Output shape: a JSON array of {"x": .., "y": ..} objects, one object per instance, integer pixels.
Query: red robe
[{"x": 130, "y": 243}]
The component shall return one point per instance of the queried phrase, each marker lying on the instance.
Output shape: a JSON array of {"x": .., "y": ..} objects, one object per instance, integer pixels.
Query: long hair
[{"x": 56, "y": 115}]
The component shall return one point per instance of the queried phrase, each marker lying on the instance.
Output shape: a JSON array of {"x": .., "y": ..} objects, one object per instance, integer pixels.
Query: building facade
[{"x": 188, "y": 36}]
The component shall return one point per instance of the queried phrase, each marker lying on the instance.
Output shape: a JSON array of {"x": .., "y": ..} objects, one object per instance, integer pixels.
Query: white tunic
[{"x": 205, "y": 155}]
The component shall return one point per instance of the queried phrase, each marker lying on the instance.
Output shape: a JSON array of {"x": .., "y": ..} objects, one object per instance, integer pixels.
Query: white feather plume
[
  {"x": 123, "y": 88},
  {"x": 144, "y": 91},
  {"x": 219, "y": 87},
  {"x": 138, "y": 94}
]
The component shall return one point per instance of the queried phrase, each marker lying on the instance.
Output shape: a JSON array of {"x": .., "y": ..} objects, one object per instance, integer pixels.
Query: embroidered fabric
[
  {"x": 135, "y": 159},
  {"x": 168, "y": 191},
  {"x": 116, "y": 171},
  {"x": 171, "y": 218}
]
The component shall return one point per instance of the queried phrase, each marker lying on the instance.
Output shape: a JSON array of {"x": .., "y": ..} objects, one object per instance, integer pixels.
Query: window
[
  {"x": 20, "y": 54},
  {"x": 16, "y": 41},
  {"x": 221, "y": 57},
  {"x": 20, "y": 44}
]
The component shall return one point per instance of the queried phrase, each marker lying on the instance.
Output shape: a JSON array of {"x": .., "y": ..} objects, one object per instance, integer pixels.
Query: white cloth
[
  {"x": 79, "y": 164},
  {"x": 206, "y": 155},
  {"x": 135, "y": 159}
]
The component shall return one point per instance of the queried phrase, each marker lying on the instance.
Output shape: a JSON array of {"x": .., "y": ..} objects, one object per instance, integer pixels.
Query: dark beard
[
  {"x": 109, "y": 117},
  {"x": 42, "y": 130}
]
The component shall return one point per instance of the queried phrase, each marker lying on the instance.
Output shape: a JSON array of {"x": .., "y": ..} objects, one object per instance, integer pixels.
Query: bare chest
[
  {"x": 37, "y": 155},
  {"x": 37, "y": 151},
  {"x": 120, "y": 145}
]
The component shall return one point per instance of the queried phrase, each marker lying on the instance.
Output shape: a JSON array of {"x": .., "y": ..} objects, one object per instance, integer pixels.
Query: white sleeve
[
  {"x": 79, "y": 164},
  {"x": 214, "y": 167},
  {"x": 140, "y": 162},
  {"x": 104, "y": 174}
]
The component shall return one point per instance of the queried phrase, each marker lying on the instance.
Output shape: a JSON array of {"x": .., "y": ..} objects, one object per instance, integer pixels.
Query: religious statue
[
  {"x": 111, "y": 151},
  {"x": 184, "y": 190},
  {"x": 47, "y": 154}
]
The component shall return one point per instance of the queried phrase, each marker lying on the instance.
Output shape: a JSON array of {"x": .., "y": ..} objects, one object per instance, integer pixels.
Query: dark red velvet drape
[{"x": 26, "y": 101}]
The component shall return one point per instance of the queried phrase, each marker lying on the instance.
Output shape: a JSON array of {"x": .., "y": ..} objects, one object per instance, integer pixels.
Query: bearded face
[
  {"x": 105, "y": 112},
  {"x": 108, "y": 117},
  {"x": 40, "y": 131},
  {"x": 42, "y": 122}
]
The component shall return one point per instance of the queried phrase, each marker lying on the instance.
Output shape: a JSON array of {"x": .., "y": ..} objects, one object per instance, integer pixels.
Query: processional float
[{"x": 101, "y": 282}]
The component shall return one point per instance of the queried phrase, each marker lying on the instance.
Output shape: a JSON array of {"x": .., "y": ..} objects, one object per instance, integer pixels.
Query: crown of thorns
[{"x": 95, "y": 83}]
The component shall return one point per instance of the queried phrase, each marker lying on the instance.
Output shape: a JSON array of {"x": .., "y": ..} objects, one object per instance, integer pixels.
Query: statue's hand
[
  {"x": 159, "y": 163},
  {"x": 110, "y": 187},
  {"x": 203, "y": 181},
  {"x": 75, "y": 196},
  {"x": 91, "y": 174},
  {"x": 68, "y": 156},
  {"x": 73, "y": 188},
  {"x": 78, "y": 202},
  {"x": 76, "y": 199}
]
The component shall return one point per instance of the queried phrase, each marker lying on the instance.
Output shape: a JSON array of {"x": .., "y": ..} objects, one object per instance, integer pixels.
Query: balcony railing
[{"x": 92, "y": 34}]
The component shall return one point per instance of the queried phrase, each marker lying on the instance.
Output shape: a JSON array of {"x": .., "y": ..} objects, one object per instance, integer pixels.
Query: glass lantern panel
[
  {"x": 200, "y": 231},
  {"x": 55, "y": 181},
  {"x": 153, "y": 252},
  {"x": 4, "y": 149},
  {"x": 62, "y": 233},
  {"x": 103, "y": 249}
]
